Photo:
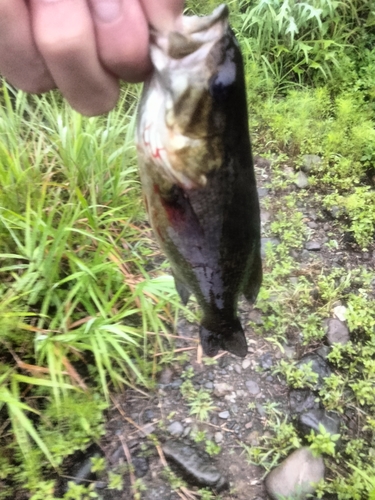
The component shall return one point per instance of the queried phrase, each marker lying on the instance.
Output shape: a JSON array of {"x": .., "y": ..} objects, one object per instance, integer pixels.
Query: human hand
[{"x": 83, "y": 47}]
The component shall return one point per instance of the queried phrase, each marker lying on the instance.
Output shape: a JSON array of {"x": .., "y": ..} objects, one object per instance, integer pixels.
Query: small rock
[
  {"x": 237, "y": 369},
  {"x": 261, "y": 162},
  {"x": 337, "y": 332},
  {"x": 252, "y": 387},
  {"x": 209, "y": 385},
  {"x": 311, "y": 162},
  {"x": 264, "y": 216},
  {"x": 222, "y": 388},
  {"x": 148, "y": 416},
  {"x": 175, "y": 429},
  {"x": 262, "y": 192},
  {"x": 224, "y": 414},
  {"x": 147, "y": 429},
  {"x": 312, "y": 225},
  {"x": 218, "y": 437},
  {"x": 256, "y": 317},
  {"x": 260, "y": 409},
  {"x": 246, "y": 363},
  {"x": 266, "y": 361},
  {"x": 340, "y": 312},
  {"x": 140, "y": 466},
  {"x": 302, "y": 400},
  {"x": 318, "y": 365},
  {"x": 165, "y": 377},
  {"x": 196, "y": 464},
  {"x": 265, "y": 242},
  {"x": 311, "y": 420},
  {"x": 323, "y": 351},
  {"x": 313, "y": 246},
  {"x": 301, "y": 180},
  {"x": 296, "y": 476},
  {"x": 253, "y": 438}
]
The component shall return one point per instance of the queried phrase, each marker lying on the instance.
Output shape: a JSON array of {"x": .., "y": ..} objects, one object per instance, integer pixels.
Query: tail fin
[{"x": 228, "y": 337}]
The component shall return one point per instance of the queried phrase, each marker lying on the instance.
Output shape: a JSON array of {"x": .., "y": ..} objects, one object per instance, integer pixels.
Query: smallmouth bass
[{"x": 197, "y": 172}]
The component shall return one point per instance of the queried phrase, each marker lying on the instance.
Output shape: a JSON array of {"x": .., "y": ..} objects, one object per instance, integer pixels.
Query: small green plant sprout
[
  {"x": 187, "y": 389},
  {"x": 297, "y": 377},
  {"x": 323, "y": 442},
  {"x": 212, "y": 448},
  {"x": 188, "y": 373},
  {"x": 201, "y": 405},
  {"x": 80, "y": 491},
  {"x": 137, "y": 488},
  {"x": 209, "y": 361},
  {"x": 115, "y": 481},
  {"x": 199, "y": 436},
  {"x": 45, "y": 491},
  {"x": 98, "y": 464},
  {"x": 206, "y": 494}
]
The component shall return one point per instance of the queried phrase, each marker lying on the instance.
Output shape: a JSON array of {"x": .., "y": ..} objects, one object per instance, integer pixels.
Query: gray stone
[
  {"x": 262, "y": 192},
  {"x": 296, "y": 476},
  {"x": 141, "y": 466},
  {"x": 312, "y": 225},
  {"x": 264, "y": 216},
  {"x": 252, "y": 438},
  {"x": 246, "y": 363},
  {"x": 301, "y": 180},
  {"x": 256, "y": 317},
  {"x": 222, "y": 388},
  {"x": 218, "y": 437},
  {"x": 323, "y": 351},
  {"x": 329, "y": 419},
  {"x": 311, "y": 162},
  {"x": 265, "y": 242},
  {"x": 302, "y": 400},
  {"x": 261, "y": 410},
  {"x": 313, "y": 246},
  {"x": 318, "y": 365},
  {"x": 209, "y": 385},
  {"x": 266, "y": 361},
  {"x": 196, "y": 463},
  {"x": 166, "y": 376},
  {"x": 337, "y": 332},
  {"x": 224, "y": 414},
  {"x": 261, "y": 162},
  {"x": 237, "y": 369},
  {"x": 175, "y": 429},
  {"x": 252, "y": 387}
]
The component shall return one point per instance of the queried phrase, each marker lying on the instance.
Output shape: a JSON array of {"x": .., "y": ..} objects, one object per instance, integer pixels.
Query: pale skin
[{"x": 82, "y": 47}]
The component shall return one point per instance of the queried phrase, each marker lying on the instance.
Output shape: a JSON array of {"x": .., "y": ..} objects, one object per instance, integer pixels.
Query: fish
[{"x": 197, "y": 174}]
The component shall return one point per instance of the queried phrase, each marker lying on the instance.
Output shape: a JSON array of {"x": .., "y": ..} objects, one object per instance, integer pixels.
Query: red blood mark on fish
[
  {"x": 156, "y": 154},
  {"x": 147, "y": 127}
]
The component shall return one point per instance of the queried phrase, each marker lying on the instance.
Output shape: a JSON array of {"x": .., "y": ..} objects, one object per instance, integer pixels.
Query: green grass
[{"x": 79, "y": 313}]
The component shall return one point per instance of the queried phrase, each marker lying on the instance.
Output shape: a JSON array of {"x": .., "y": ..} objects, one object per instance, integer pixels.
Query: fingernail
[{"x": 106, "y": 10}]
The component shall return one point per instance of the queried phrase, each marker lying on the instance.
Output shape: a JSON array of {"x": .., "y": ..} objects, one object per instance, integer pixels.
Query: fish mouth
[{"x": 192, "y": 32}]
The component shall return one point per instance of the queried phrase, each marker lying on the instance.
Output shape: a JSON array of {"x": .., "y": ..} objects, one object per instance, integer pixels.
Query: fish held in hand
[{"x": 197, "y": 172}]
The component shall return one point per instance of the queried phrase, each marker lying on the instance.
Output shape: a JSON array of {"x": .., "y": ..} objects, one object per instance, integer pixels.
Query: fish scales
[{"x": 197, "y": 172}]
